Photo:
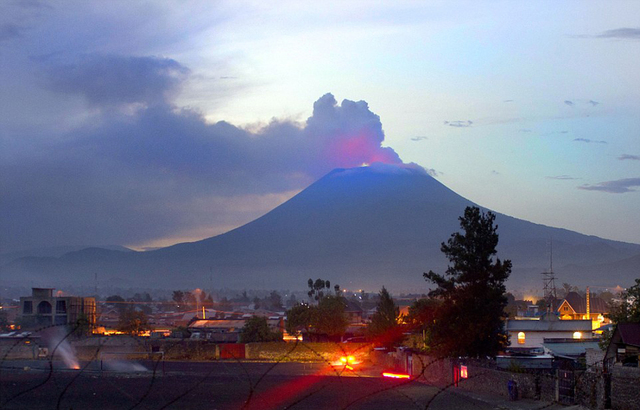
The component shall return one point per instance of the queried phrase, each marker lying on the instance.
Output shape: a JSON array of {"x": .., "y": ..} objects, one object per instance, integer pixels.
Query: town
[{"x": 570, "y": 346}]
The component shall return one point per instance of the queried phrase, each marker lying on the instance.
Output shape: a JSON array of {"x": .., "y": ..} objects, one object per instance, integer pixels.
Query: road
[{"x": 216, "y": 385}]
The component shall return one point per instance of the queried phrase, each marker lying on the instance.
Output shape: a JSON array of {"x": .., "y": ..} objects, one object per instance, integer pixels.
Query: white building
[{"x": 531, "y": 333}]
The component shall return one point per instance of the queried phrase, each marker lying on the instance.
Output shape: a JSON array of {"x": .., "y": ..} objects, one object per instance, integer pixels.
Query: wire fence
[{"x": 135, "y": 374}]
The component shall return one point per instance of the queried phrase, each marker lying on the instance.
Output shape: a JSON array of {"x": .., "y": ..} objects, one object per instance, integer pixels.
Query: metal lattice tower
[{"x": 549, "y": 281}]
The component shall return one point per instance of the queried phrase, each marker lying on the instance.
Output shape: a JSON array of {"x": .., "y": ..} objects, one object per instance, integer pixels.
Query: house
[
  {"x": 228, "y": 331},
  {"x": 624, "y": 346},
  {"x": 44, "y": 309},
  {"x": 570, "y": 353},
  {"x": 353, "y": 312},
  {"x": 576, "y": 307},
  {"x": 531, "y": 333}
]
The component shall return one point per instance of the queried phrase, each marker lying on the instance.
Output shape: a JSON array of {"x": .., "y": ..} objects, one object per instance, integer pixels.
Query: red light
[{"x": 396, "y": 375}]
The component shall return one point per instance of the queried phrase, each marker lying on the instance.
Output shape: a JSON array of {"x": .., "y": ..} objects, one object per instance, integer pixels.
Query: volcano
[{"x": 361, "y": 228}]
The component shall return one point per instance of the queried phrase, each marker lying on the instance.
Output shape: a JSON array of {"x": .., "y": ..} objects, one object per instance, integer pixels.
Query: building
[
  {"x": 624, "y": 346},
  {"x": 531, "y": 333},
  {"x": 228, "y": 331},
  {"x": 589, "y": 307},
  {"x": 42, "y": 308}
]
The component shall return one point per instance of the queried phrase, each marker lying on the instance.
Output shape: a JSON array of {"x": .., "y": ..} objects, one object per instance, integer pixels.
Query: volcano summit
[{"x": 360, "y": 227}]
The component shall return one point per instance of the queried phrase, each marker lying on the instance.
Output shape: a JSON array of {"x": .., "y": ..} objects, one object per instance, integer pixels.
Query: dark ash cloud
[
  {"x": 130, "y": 177},
  {"x": 619, "y": 186},
  {"x": 114, "y": 80},
  {"x": 9, "y": 31},
  {"x": 459, "y": 124},
  {"x": 623, "y": 33},
  {"x": 561, "y": 177},
  {"x": 629, "y": 156},
  {"x": 588, "y": 141}
]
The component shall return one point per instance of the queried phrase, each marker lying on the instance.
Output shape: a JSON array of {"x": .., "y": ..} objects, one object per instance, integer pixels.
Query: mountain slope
[{"x": 362, "y": 228}]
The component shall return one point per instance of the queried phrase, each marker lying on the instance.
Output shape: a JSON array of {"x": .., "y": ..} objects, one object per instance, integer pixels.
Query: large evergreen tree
[
  {"x": 384, "y": 327},
  {"x": 469, "y": 322}
]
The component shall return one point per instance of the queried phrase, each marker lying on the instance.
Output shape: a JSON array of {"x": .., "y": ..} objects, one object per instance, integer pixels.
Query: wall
[
  {"x": 625, "y": 388},
  {"x": 305, "y": 351},
  {"x": 535, "y": 338}
]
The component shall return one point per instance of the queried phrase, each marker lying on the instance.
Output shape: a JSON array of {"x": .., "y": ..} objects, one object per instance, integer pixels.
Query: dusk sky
[{"x": 149, "y": 123}]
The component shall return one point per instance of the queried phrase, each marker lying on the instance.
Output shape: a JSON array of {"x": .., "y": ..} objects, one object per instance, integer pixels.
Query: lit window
[
  {"x": 577, "y": 335},
  {"x": 521, "y": 338}
]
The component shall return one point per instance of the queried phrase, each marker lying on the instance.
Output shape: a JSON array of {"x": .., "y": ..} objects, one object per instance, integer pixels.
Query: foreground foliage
[{"x": 469, "y": 321}]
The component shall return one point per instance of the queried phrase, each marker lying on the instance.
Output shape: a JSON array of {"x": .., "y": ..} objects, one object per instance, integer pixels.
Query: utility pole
[{"x": 549, "y": 282}]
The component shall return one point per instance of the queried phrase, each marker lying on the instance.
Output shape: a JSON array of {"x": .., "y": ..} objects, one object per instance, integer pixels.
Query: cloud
[
  {"x": 594, "y": 103},
  {"x": 569, "y": 103},
  {"x": 494, "y": 172},
  {"x": 161, "y": 171},
  {"x": 9, "y": 31},
  {"x": 623, "y": 33},
  {"x": 433, "y": 172},
  {"x": 460, "y": 124},
  {"x": 628, "y": 156},
  {"x": 589, "y": 141},
  {"x": 561, "y": 177},
  {"x": 419, "y": 138},
  {"x": 619, "y": 186},
  {"x": 115, "y": 80},
  {"x": 507, "y": 101}
]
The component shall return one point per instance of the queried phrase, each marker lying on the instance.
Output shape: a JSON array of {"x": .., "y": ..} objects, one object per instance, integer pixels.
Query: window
[
  {"x": 27, "y": 308},
  {"x": 61, "y": 306},
  {"x": 521, "y": 338},
  {"x": 577, "y": 335},
  {"x": 44, "y": 308}
]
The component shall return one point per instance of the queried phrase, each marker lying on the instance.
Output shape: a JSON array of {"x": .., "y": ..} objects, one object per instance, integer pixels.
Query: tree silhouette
[
  {"x": 384, "y": 326},
  {"x": 469, "y": 321}
]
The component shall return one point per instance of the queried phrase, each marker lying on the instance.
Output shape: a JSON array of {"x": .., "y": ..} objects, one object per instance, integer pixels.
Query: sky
[{"x": 147, "y": 123}]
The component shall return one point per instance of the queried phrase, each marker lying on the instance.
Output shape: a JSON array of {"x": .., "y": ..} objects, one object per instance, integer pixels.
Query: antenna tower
[{"x": 549, "y": 281}]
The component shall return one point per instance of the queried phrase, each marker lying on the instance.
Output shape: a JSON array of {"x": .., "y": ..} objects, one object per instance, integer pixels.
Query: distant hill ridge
[{"x": 362, "y": 228}]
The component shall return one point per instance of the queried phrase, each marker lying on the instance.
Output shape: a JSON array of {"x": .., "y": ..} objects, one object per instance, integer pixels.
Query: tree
[
  {"x": 117, "y": 302},
  {"x": 133, "y": 322},
  {"x": 470, "y": 320},
  {"x": 178, "y": 298},
  {"x": 328, "y": 318},
  {"x": 384, "y": 323},
  {"x": 421, "y": 317},
  {"x": 316, "y": 289},
  {"x": 298, "y": 318},
  {"x": 627, "y": 310},
  {"x": 275, "y": 301},
  {"x": 422, "y": 313},
  {"x": 256, "y": 330}
]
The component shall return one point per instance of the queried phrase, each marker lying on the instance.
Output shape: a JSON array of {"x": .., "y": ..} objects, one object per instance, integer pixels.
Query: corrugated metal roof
[
  {"x": 579, "y": 303},
  {"x": 549, "y": 325},
  {"x": 217, "y": 324},
  {"x": 572, "y": 349},
  {"x": 630, "y": 333}
]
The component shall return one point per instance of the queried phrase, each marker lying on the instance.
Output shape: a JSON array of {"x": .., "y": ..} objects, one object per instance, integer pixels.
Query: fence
[{"x": 591, "y": 388}]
